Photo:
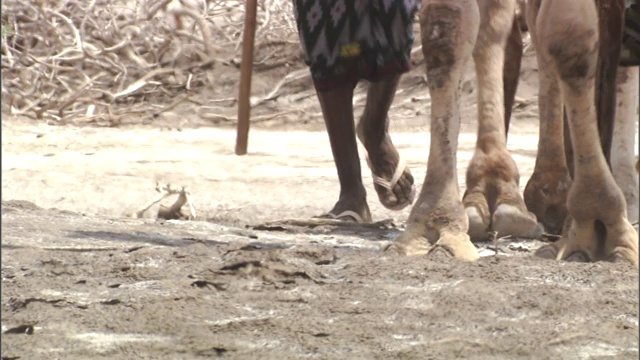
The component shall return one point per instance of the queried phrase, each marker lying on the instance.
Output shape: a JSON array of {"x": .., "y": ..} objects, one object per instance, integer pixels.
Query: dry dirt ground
[{"x": 81, "y": 279}]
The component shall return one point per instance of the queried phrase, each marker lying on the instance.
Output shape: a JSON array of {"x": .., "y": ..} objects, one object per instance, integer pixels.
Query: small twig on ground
[
  {"x": 140, "y": 213},
  {"x": 495, "y": 240},
  {"x": 175, "y": 210}
]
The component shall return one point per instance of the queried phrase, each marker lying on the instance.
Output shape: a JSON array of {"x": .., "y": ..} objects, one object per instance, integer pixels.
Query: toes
[
  {"x": 396, "y": 189},
  {"x": 510, "y": 220},
  {"x": 410, "y": 247},
  {"x": 401, "y": 195},
  {"x": 404, "y": 190},
  {"x": 584, "y": 244},
  {"x": 547, "y": 252},
  {"x": 448, "y": 246},
  {"x": 349, "y": 209},
  {"x": 559, "y": 251},
  {"x": 506, "y": 220},
  {"x": 579, "y": 256},
  {"x": 459, "y": 245},
  {"x": 441, "y": 253},
  {"x": 622, "y": 243},
  {"x": 478, "y": 227},
  {"x": 389, "y": 199},
  {"x": 620, "y": 255}
]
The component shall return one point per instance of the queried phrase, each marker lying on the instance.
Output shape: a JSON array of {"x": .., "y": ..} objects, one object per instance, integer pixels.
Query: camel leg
[
  {"x": 599, "y": 230},
  {"x": 546, "y": 191},
  {"x": 511, "y": 70},
  {"x": 438, "y": 221},
  {"x": 492, "y": 200},
  {"x": 624, "y": 138}
]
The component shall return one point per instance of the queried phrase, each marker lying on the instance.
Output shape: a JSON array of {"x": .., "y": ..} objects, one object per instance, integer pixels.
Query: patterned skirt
[{"x": 344, "y": 41}]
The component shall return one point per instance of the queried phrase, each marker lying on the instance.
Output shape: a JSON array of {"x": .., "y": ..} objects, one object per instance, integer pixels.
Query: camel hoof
[
  {"x": 547, "y": 252},
  {"x": 509, "y": 220},
  {"x": 621, "y": 254},
  {"x": 579, "y": 256},
  {"x": 458, "y": 246},
  {"x": 478, "y": 229},
  {"x": 410, "y": 246}
]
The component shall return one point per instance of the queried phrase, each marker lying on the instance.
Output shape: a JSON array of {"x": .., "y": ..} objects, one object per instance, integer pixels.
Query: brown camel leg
[
  {"x": 599, "y": 230},
  {"x": 624, "y": 138},
  {"x": 337, "y": 109},
  {"x": 547, "y": 189},
  {"x": 492, "y": 200},
  {"x": 610, "y": 27},
  {"x": 373, "y": 131},
  {"x": 511, "y": 71},
  {"x": 438, "y": 223}
]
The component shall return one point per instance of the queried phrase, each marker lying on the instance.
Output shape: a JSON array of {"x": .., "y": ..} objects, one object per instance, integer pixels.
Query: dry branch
[{"x": 175, "y": 210}]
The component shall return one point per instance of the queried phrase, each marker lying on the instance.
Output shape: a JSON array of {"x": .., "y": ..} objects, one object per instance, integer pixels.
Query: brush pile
[{"x": 101, "y": 61}]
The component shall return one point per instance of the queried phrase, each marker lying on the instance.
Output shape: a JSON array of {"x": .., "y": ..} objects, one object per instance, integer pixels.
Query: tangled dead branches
[{"x": 101, "y": 60}]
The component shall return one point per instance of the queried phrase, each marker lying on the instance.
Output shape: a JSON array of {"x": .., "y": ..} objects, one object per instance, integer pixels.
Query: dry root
[{"x": 175, "y": 210}]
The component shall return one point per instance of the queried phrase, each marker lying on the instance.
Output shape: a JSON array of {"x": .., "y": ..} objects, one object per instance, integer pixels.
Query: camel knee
[
  {"x": 531, "y": 15},
  {"x": 496, "y": 21},
  {"x": 568, "y": 33},
  {"x": 448, "y": 32}
]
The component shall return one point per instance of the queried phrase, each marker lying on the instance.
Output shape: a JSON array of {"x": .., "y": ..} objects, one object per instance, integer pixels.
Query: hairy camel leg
[
  {"x": 337, "y": 110},
  {"x": 438, "y": 220},
  {"x": 492, "y": 200},
  {"x": 599, "y": 230},
  {"x": 373, "y": 132},
  {"x": 624, "y": 138},
  {"x": 546, "y": 192}
]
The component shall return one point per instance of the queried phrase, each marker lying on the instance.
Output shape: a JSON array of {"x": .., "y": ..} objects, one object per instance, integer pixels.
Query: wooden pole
[{"x": 246, "y": 69}]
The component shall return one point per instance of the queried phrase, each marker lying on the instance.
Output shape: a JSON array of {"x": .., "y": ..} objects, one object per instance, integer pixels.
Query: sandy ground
[{"x": 81, "y": 279}]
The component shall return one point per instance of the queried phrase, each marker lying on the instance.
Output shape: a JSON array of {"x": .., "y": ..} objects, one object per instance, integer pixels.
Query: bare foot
[
  {"x": 350, "y": 208},
  {"x": 392, "y": 179}
]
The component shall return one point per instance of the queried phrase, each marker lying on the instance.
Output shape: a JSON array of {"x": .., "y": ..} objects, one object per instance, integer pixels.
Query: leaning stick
[{"x": 246, "y": 68}]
